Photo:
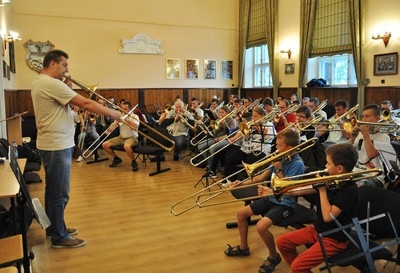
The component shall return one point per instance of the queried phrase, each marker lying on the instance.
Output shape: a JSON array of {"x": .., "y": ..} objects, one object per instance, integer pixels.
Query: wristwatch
[{"x": 278, "y": 170}]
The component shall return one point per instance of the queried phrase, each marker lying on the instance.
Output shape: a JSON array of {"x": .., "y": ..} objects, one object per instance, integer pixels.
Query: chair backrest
[
  {"x": 381, "y": 201},
  {"x": 11, "y": 249},
  {"x": 163, "y": 140}
]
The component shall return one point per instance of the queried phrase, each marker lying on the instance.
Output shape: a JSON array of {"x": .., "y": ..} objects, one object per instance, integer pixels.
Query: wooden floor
[{"x": 125, "y": 218}]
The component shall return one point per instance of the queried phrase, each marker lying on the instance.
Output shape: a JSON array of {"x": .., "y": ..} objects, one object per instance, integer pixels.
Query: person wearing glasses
[{"x": 282, "y": 121}]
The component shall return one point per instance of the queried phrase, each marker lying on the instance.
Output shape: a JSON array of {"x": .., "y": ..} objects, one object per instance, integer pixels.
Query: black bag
[
  {"x": 317, "y": 83},
  {"x": 7, "y": 226}
]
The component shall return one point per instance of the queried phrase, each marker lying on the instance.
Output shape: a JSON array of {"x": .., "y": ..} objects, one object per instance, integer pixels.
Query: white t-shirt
[
  {"x": 365, "y": 163},
  {"x": 54, "y": 120}
]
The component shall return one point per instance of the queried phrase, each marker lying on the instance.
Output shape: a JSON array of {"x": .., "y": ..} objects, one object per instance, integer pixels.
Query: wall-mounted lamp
[
  {"x": 289, "y": 52},
  {"x": 3, "y": 2},
  {"x": 385, "y": 37},
  {"x": 11, "y": 37}
]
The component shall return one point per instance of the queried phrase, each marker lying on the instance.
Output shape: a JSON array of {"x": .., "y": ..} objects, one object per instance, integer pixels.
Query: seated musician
[
  {"x": 220, "y": 133},
  {"x": 337, "y": 134},
  {"x": 281, "y": 121},
  {"x": 214, "y": 107},
  {"x": 362, "y": 138},
  {"x": 268, "y": 104},
  {"x": 255, "y": 145},
  {"x": 246, "y": 114},
  {"x": 178, "y": 123},
  {"x": 88, "y": 130},
  {"x": 314, "y": 104},
  {"x": 195, "y": 109},
  {"x": 340, "y": 202},
  {"x": 303, "y": 120},
  {"x": 269, "y": 207},
  {"x": 128, "y": 136}
]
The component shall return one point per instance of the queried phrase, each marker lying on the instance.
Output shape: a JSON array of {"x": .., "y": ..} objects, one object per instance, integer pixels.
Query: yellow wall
[{"x": 91, "y": 32}]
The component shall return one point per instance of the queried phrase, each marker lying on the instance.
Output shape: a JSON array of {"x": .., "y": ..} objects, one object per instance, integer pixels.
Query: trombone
[
  {"x": 249, "y": 168},
  {"x": 381, "y": 127},
  {"x": 93, "y": 92},
  {"x": 90, "y": 150},
  {"x": 280, "y": 186},
  {"x": 320, "y": 106}
]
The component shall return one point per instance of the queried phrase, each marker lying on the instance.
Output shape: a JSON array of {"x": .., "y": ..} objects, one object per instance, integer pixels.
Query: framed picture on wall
[
  {"x": 192, "y": 69},
  {"x": 226, "y": 70},
  {"x": 172, "y": 69},
  {"x": 385, "y": 64},
  {"x": 210, "y": 69},
  {"x": 289, "y": 68}
]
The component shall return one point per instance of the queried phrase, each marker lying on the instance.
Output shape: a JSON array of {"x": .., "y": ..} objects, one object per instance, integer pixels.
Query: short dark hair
[
  {"x": 215, "y": 100},
  {"x": 375, "y": 108},
  {"x": 305, "y": 110},
  {"x": 127, "y": 103},
  {"x": 268, "y": 101},
  {"x": 342, "y": 103},
  {"x": 290, "y": 137},
  {"x": 343, "y": 154},
  {"x": 315, "y": 101},
  {"x": 55, "y": 56}
]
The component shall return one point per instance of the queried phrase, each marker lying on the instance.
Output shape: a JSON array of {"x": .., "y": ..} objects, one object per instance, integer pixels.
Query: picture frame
[
  {"x": 386, "y": 64},
  {"x": 227, "y": 70},
  {"x": 192, "y": 69},
  {"x": 172, "y": 69},
  {"x": 210, "y": 69},
  {"x": 12, "y": 56},
  {"x": 289, "y": 68}
]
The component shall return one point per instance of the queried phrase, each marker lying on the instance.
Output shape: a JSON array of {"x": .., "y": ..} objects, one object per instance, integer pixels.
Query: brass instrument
[
  {"x": 167, "y": 109},
  {"x": 252, "y": 168},
  {"x": 386, "y": 114},
  {"x": 320, "y": 106},
  {"x": 91, "y": 91},
  {"x": 96, "y": 144},
  {"x": 230, "y": 114},
  {"x": 284, "y": 185},
  {"x": 382, "y": 127},
  {"x": 291, "y": 109},
  {"x": 281, "y": 186},
  {"x": 244, "y": 127}
]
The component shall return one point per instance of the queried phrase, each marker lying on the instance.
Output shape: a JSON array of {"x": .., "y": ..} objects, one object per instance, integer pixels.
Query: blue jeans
[{"x": 57, "y": 166}]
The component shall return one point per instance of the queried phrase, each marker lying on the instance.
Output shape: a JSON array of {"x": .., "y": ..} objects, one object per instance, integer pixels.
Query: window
[
  {"x": 257, "y": 72},
  {"x": 337, "y": 70}
]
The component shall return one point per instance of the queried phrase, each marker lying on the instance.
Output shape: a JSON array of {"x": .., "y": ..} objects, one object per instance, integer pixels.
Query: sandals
[
  {"x": 264, "y": 268},
  {"x": 236, "y": 251}
]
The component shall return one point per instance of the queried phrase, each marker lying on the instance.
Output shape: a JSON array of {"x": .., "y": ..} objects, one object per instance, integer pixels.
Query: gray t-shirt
[{"x": 54, "y": 119}]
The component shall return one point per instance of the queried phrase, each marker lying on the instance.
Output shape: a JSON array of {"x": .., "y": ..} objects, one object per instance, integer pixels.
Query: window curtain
[
  {"x": 271, "y": 12},
  {"x": 355, "y": 32},
  {"x": 257, "y": 27},
  {"x": 244, "y": 14},
  {"x": 307, "y": 19}
]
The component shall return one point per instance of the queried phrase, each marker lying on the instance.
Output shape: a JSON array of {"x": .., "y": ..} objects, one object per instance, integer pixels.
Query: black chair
[
  {"x": 301, "y": 214},
  {"x": 152, "y": 148},
  {"x": 382, "y": 221}
]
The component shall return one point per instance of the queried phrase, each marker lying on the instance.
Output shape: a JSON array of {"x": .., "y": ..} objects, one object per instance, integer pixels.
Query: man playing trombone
[
  {"x": 269, "y": 207},
  {"x": 362, "y": 137},
  {"x": 178, "y": 123},
  {"x": 337, "y": 134},
  {"x": 286, "y": 116},
  {"x": 128, "y": 137},
  {"x": 51, "y": 97}
]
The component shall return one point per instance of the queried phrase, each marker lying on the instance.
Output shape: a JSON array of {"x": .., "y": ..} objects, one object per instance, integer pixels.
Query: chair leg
[{"x": 159, "y": 170}]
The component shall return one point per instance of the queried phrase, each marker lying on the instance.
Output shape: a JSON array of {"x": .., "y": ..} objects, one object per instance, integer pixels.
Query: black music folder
[{"x": 210, "y": 114}]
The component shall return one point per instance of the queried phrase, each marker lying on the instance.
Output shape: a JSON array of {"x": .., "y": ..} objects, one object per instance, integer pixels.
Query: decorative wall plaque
[
  {"x": 141, "y": 43},
  {"x": 36, "y": 52}
]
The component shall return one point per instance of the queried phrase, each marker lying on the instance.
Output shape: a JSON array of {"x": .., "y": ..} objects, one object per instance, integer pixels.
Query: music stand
[
  {"x": 24, "y": 198},
  {"x": 210, "y": 114}
]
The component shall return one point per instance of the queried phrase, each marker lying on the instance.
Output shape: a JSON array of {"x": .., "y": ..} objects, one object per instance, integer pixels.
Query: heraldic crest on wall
[{"x": 36, "y": 52}]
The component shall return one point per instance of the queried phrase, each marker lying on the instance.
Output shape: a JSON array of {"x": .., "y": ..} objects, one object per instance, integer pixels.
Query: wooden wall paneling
[
  {"x": 205, "y": 95},
  {"x": 257, "y": 93},
  {"x": 11, "y": 102},
  {"x": 379, "y": 94},
  {"x": 161, "y": 97},
  {"x": 286, "y": 93},
  {"x": 332, "y": 94},
  {"x": 25, "y": 102}
]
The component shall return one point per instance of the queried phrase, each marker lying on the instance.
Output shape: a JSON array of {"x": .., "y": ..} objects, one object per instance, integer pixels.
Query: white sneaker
[
  {"x": 80, "y": 158},
  {"x": 226, "y": 184}
]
